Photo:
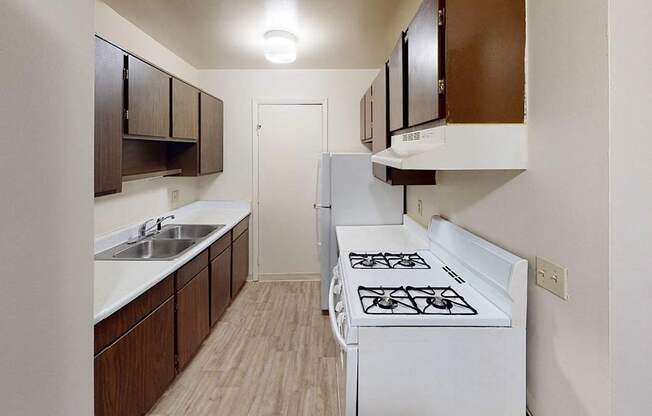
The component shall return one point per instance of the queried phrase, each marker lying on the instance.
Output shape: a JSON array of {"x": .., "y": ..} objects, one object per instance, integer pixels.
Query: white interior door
[{"x": 290, "y": 145}]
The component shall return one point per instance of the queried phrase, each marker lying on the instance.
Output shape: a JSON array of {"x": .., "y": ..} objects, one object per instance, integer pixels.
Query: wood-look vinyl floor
[{"x": 272, "y": 353}]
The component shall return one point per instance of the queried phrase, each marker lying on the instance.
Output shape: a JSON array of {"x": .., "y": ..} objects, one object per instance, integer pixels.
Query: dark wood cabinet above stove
[{"x": 459, "y": 61}]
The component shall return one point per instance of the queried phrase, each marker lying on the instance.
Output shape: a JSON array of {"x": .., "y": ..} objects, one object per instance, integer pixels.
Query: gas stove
[
  {"x": 387, "y": 261},
  {"x": 445, "y": 320},
  {"x": 413, "y": 301},
  {"x": 412, "y": 288}
]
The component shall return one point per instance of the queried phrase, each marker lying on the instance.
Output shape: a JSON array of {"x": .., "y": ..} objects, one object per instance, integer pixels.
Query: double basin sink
[{"x": 171, "y": 242}]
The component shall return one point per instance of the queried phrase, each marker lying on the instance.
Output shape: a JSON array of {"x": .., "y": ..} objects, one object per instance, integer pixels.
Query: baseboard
[{"x": 293, "y": 277}]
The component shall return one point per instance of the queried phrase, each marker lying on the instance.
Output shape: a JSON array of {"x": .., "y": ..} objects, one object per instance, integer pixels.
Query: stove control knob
[
  {"x": 337, "y": 289},
  {"x": 339, "y": 307}
]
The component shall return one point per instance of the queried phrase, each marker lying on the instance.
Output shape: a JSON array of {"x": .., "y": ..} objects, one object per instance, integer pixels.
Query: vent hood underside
[{"x": 459, "y": 147}]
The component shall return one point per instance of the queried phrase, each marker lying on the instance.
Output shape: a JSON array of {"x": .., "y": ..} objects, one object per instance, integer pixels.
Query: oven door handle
[{"x": 331, "y": 314}]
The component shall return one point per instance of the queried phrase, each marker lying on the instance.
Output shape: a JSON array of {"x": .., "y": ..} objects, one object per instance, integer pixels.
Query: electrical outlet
[
  {"x": 552, "y": 277},
  {"x": 420, "y": 207},
  {"x": 174, "y": 196}
]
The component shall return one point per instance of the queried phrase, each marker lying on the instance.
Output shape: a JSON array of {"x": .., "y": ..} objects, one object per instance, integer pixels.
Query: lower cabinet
[
  {"x": 158, "y": 353},
  {"x": 134, "y": 371},
  {"x": 240, "y": 263},
  {"x": 141, "y": 347},
  {"x": 220, "y": 284},
  {"x": 192, "y": 317}
]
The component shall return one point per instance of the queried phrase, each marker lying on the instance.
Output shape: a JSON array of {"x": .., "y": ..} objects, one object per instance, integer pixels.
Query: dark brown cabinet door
[
  {"x": 185, "y": 110},
  {"x": 362, "y": 117},
  {"x": 119, "y": 385},
  {"x": 220, "y": 284},
  {"x": 485, "y": 61},
  {"x": 211, "y": 141},
  {"x": 423, "y": 65},
  {"x": 396, "y": 89},
  {"x": 368, "y": 115},
  {"x": 149, "y": 100},
  {"x": 158, "y": 352},
  {"x": 380, "y": 134},
  {"x": 109, "y": 65},
  {"x": 192, "y": 317},
  {"x": 240, "y": 263}
]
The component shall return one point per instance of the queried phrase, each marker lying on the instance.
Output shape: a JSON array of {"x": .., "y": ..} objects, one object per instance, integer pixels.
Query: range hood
[{"x": 459, "y": 147}]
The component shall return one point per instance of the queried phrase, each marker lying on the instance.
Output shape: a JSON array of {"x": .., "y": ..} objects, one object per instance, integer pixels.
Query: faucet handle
[{"x": 143, "y": 227}]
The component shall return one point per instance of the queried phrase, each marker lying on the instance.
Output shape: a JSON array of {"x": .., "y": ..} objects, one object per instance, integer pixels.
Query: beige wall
[
  {"x": 631, "y": 205},
  {"x": 557, "y": 209},
  {"x": 46, "y": 242},
  {"x": 148, "y": 198},
  {"x": 342, "y": 88}
]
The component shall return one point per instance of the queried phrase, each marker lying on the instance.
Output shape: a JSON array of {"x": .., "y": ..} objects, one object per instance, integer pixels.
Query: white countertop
[
  {"x": 407, "y": 237},
  {"x": 119, "y": 282}
]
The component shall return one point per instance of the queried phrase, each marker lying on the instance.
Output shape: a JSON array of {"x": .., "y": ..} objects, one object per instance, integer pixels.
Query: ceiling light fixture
[{"x": 280, "y": 46}]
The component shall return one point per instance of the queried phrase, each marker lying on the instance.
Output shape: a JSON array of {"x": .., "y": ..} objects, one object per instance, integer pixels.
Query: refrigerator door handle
[{"x": 317, "y": 205}]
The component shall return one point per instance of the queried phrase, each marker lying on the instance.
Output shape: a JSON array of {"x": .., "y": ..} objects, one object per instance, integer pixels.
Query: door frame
[{"x": 255, "y": 137}]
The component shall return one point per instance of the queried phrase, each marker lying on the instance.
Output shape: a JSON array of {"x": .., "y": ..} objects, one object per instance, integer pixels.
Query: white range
[{"x": 432, "y": 325}]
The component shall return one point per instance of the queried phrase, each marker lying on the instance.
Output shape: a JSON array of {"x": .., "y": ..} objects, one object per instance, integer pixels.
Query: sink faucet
[
  {"x": 160, "y": 220},
  {"x": 145, "y": 231}
]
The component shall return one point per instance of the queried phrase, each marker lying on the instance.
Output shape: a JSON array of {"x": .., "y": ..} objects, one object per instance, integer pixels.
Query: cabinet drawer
[
  {"x": 191, "y": 269},
  {"x": 113, "y": 327},
  {"x": 240, "y": 228},
  {"x": 220, "y": 245}
]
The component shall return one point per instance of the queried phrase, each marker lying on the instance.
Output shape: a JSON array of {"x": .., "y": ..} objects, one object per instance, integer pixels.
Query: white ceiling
[{"x": 229, "y": 33}]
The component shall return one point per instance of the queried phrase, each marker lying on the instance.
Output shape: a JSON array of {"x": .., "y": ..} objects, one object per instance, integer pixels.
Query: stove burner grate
[
  {"x": 406, "y": 261},
  {"x": 386, "y": 300},
  {"x": 413, "y": 301},
  {"x": 368, "y": 261},
  {"x": 387, "y": 261}
]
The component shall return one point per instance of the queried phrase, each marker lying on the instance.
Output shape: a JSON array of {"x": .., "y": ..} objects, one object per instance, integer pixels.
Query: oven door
[{"x": 347, "y": 354}]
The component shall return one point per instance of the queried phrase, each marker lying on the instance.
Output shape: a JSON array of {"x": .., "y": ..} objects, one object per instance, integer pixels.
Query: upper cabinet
[
  {"x": 458, "y": 63},
  {"x": 368, "y": 114},
  {"x": 185, "y": 111},
  {"x": 423, "y": 62},
  {"x": 211, "y": 136},
  {"x": 380, "y": 134},
  {"x": 485, "y": 61},
  {"x": 396, "y": 67},
  {"x": 108, "y": 117},
  {"x": 148, "y": 123},
  {"x": 148, "y": 92},
  {"x": 363, "y": 136}
]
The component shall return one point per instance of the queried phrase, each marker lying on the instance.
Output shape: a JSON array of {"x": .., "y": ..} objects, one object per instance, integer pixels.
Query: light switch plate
[{"x": 552, "y": 277}]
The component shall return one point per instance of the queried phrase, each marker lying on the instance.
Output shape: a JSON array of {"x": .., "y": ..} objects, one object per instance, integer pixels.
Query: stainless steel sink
[
  {"x": 154, "y": 249},
  {"x": 186, "y": 231},
  {"x": 171, "y": 242}
]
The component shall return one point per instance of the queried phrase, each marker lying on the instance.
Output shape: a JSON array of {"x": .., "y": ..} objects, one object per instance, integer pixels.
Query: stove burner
[
  {"x": 406, "y": 261},
  {"x": 439, "y": 302},
  {"x": 386, "y": 302},
  {"x": 368, "y": 261}
]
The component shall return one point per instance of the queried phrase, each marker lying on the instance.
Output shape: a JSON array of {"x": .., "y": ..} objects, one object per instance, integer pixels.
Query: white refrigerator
[{"x": 348, "y": 194}]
